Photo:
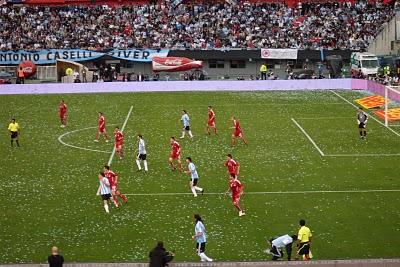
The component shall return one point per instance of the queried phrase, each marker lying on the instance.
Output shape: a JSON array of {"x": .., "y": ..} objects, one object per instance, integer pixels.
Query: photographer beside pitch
[{"x": 159, "y": 256}]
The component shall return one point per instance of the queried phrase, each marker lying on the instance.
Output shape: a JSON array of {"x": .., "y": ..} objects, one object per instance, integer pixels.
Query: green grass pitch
[{"x": 48, "y": 190}]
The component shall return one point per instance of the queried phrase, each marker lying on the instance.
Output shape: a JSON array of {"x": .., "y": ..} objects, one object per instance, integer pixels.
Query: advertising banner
[
  {"x": 175, "y": 64},
  {"x": 41, "y": 57},
  {"x": 279, "y": 53}
]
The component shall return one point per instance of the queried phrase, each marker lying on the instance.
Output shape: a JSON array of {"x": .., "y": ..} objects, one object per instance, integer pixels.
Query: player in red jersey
[
  {"x": 236, "y": 187},
  {"x": 119, "y": 142},
  {"x": 237, "y": 132},
  {"x": 113, "y": 179},
  {"x": 232, "y": 165},
  {"x": 211, "y": 121},
  {"x": 102, "y": 128},
  {"x": 63, "y": 109},
  {"x": 175, "y": 154}
]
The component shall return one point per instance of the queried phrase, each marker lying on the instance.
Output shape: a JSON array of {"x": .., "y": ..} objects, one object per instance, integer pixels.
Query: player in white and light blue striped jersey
[
  {"x": 186, "y": 124},
  {"x": 142, "y": 154},
  {"x": 200, "y": 237},
  {"x": 104, "y": 190},
  {"x": 192, "y": 171}
]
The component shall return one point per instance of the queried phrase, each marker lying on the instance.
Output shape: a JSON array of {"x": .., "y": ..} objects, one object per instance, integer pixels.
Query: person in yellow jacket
[
  {"x": 69, "y": 71},
  {"x": 13, "y": 127},
  {"x": 398, "y": 71},
  {"x": 304, "y": 241},
  {"x": 263, "y": 71},
  {"x": 386, "y": 70}
]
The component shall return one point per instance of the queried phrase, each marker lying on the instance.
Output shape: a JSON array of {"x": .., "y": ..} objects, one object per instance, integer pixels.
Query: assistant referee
[
  {"x": 303, "y": 241},
  {"x": 13, "y": 127}
]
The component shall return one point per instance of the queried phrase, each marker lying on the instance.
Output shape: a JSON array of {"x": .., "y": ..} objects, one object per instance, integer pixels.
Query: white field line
[
  {"x": 324, "y": 118},
  {"x": 274, "y": 192},
  {"x": 308, "y": 137},
  {"x": 372, "y": 117},
  {"x": 122, "y": 130},
  {"x": 78, "y": 147}
]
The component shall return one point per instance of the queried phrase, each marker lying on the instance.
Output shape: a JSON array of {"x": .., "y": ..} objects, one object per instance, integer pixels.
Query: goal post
[{"x": 392, "y": 100}]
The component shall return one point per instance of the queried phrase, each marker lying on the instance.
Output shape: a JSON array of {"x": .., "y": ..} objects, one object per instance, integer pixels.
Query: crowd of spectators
[{"x": 197, "y": 26}]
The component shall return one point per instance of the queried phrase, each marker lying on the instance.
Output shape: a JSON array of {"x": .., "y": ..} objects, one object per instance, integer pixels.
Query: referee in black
[
  {"x": 362, "y": 119},
  {"x": 13, "y": 127}
]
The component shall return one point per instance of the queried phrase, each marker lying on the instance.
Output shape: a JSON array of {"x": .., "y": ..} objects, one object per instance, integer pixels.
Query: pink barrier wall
[{"x": 182, "y": 86}]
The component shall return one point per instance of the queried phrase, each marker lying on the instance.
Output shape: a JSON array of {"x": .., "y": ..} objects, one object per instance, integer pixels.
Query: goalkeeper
[{"x": 362, "y": 119}]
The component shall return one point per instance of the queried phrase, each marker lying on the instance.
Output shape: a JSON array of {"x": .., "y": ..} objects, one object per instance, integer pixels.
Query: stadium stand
[{"x": 193, "y": 26}]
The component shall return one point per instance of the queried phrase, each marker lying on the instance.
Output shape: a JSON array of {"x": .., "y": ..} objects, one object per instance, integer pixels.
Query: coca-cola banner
[
  {"x": 175, "y": 64},
  {"x": 279, "y": 53}
]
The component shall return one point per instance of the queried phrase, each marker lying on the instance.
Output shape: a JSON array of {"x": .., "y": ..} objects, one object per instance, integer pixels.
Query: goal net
[{"x": 391, "y": 112}]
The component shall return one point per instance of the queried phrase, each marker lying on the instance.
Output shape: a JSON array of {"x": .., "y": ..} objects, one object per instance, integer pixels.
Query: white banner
[{"x": 279, "y": 53}]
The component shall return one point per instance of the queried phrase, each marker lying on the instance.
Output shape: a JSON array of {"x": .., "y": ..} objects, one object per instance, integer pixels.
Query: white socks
[
  {"x": 189, "y": 132},
  {"x": 106, "y": 208},
  {"x": 144, "y": 163},
  {"x": 198, "y": 188},
  {"x": 204, "y": 257},
  {"x": 193, "y": 190},
  {"x": 138, "y": 164}
]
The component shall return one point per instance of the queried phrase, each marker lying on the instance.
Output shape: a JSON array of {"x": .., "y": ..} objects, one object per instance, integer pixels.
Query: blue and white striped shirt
[
  {"x": 193, "y": 171},
  {"x": 199, "y": 228},
  {"x": 185, "y": 120},
  {"x": 105, "y": 186}
]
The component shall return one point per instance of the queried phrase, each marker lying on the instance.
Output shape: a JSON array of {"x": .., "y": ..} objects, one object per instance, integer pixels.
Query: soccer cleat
[
  {"x": 96, "y": 140},
  {"x": 241, "y": 213},
  {"x": 106, "y": 141},
  {"x": 181, "y": 137},
  {"x": 202, "y": 191},
  {"x": 268, "y": 251}
]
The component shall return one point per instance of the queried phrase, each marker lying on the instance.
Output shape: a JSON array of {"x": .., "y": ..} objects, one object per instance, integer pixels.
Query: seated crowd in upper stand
[{"x": 197, "y": 26}]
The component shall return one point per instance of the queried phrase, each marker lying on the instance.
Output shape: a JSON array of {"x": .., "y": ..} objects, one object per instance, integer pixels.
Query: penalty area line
[
  {"x": 275, "y": 192},
  {"x": 308, "y": 137},
  {"x": 122, "y": 130},
  {"x": 370, "y": 115}
]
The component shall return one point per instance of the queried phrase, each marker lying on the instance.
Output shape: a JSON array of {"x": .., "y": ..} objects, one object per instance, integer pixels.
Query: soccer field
[{"x": 304, "y": 160}]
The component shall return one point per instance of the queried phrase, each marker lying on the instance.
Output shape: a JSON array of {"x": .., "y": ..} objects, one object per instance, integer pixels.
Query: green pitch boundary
[{"x": 324, "y": 263}]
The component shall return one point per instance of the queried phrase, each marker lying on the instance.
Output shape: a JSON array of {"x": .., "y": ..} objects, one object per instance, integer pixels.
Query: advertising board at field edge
[{"x": 41, "y": 57}]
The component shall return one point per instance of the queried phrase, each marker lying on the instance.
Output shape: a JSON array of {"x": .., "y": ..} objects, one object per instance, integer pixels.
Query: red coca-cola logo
[
  {"x": 29, "y": 68},
  {"x": 265, "y": 53},
  {"x": 173, "y": 62}
]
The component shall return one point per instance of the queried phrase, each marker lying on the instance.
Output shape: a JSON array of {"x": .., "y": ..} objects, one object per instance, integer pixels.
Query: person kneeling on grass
[{"x": 277, "y": 245}]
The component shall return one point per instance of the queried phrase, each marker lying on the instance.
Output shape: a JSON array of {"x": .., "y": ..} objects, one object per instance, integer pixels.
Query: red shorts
[
  {"x": 175, "y": 155},
  {"x": 62, "y": 115},
  {"x": 118, "y": 146},
  {"x": 236, "y": 198},
  {"x": 238, "y": 134},
  {"x": 102, "y": 130},
  {"x": 211, "y": 123}
]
